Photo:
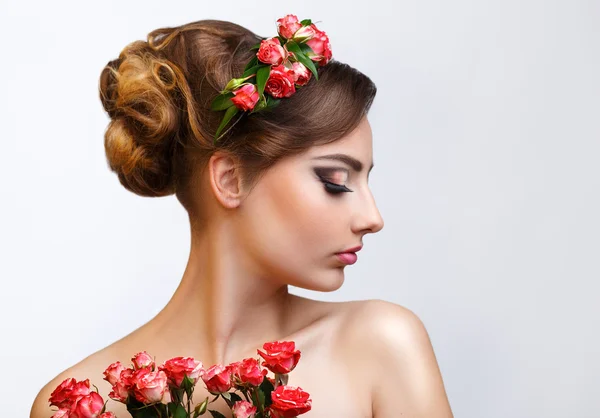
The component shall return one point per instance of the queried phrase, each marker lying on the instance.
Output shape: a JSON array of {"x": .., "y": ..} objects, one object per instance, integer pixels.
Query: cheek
[{"x": 293, "y": 226}]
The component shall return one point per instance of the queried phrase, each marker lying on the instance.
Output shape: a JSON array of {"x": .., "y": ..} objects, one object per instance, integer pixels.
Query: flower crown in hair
[{"x": 281, "y": 64}]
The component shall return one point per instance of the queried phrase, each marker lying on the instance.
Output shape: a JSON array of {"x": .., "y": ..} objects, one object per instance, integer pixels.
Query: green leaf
[
  {"x": 226, "y": 395},
  {"x": 306, "y": 22},
  {"x": 256, "y": 46},
  {"x": 295, "y": 48},
  {"x": 282, "y": 40},
  {"x": 252, "y": 70},
  {"x": 261, "y": 397},
  {"x": 253, "y": 62},
  {"x": 180, "y": 412},
  {"x": 222, "y": 101},
  {"x": 228, "y": 115},
  {"x": 265, "y": 388},
  {"x": 216, "y": 414},
  {"x": 272, "y": 102},
  {"x": 262, "y": 75},
  {"x": 235, "y": 397},
  {"x": 306, "y": 49}
]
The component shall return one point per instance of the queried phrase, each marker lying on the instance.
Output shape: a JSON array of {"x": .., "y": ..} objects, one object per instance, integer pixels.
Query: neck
[{"x": 224, "y": 306}]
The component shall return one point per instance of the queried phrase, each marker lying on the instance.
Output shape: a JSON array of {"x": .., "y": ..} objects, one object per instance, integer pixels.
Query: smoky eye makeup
[{"x": 333, "y": 179}]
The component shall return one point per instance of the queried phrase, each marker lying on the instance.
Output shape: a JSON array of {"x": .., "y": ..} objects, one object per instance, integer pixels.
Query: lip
[
  {"x": 351, "y": 250},
  {"x": 347, "y": 258}
]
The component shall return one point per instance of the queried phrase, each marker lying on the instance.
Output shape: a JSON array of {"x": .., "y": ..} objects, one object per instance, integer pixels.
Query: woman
[{"x": 281, "y": 198}]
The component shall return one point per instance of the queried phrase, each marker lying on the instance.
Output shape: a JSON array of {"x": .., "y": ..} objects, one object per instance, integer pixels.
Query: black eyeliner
[{"x": 331, "y": 187}]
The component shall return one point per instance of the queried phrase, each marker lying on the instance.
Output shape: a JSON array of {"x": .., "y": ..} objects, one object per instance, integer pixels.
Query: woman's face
[{"x": 294, "y": 224}]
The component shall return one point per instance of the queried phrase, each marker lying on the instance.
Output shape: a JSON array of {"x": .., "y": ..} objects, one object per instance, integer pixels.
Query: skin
[{"x": 359, "y": 359}]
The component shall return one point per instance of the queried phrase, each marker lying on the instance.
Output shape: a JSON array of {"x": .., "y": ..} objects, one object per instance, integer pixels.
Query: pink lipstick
[{"x": 348, "y": 258}]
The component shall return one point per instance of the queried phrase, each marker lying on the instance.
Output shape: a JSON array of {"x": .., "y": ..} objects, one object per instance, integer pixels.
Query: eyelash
[{"x": 334, "y": 188}]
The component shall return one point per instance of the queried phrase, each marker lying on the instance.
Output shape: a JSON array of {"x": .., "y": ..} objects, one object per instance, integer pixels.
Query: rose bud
[
  {"x": 243, "y": 409},
  {"x": 288, "y": 25},
  {"x": 217, "y": 379},
  {"x": 152, "y": 387},
  {"x": 62, "y": 413},
  {"x": 60, "y": 397},
  {"x": 271, "y": 52},
  {"x": 88, "y": 406},
  {"x": 305, "y": 33},
  {"x": 281, "y": 356},
  {"x": 245, "y": 97},
  {"x": 289, "y": 401},
  {"x": 201, "y": 407},
  {"x": 179, "y": 367},
  {"x": 301, "y": 74},
  {"x": 321, "y": 47},
  {"x": 142, "y": 360},
  {"x": 280, "y": 82},
  {"x": 113, "y": 372}
]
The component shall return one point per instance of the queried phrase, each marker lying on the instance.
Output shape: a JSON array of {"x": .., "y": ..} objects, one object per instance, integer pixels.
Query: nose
[{"x": 367, "y": 216}]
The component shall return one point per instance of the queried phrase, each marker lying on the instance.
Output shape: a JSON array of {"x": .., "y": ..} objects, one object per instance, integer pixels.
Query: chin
[{"x": 330, "y": 282}]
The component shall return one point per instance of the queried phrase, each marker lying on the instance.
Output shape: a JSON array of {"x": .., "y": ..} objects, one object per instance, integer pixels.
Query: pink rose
[
  {"x": 151, "y": 387},
  {"x": 179, "y": 367},
  {"x": 280, "y": 357},
  {"x": 248, "y": 372},
  {"x": 113, "y": 372},
  {"x": 108, "y": 415},
  {"x": 143, "y": 359},
  {"x": 245, "y": 97},
  {"x": 288, "y": 25},
  {"x": 289, "y": 401},
  {"x": 62, "y": 413},
  {"x": 280, "y": 82},
  {"x": 301, "y": 74},
  {"x": 271, "y": 51},
  {"x": 60, "y": 397},
  {"x": 127, "y": 375},
  {"x": 120, "y": 391},
  {"x": 321, "y": 47},
  {"x": 80, "y": 389},
  {"x": 124, "y": 385},
  {"x": 87, "y": 406},
  {"x": 243, "y": 409},
  {"x": 217, "y": 379}
]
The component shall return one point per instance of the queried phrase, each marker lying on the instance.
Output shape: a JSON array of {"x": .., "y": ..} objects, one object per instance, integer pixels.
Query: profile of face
[{"x": 308, "y": 207}]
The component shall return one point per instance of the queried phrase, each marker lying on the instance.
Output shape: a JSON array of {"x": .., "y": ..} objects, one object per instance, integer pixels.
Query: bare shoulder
[
  {"x": 377, "y": 321},
  {"x": 396, "y": 358},
  {"x": 88, "y": 368}
]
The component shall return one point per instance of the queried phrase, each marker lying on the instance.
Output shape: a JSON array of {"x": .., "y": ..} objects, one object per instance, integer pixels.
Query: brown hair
[{"x": 158, "y": 94}]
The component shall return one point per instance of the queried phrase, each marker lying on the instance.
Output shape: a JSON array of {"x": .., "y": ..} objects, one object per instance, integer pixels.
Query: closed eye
[{"x": 334, "y": 188}]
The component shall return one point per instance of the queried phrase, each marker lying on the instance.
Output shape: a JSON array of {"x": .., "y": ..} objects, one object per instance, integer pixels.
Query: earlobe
[{"x": 225, "y": 179}]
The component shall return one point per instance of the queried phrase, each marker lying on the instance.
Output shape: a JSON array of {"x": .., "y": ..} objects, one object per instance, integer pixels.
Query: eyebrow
[{"x": 351, "y": 161}]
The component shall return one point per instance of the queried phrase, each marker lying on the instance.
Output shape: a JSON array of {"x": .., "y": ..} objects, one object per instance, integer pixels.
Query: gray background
[{"x": 486, "y": 145}]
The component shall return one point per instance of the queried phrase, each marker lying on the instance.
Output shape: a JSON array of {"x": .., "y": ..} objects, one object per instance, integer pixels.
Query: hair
[{"x": 158, "y": 92}]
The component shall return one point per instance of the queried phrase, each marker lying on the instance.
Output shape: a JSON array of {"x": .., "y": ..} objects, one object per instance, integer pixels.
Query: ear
[{"x": 225, "y": 179}]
